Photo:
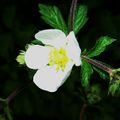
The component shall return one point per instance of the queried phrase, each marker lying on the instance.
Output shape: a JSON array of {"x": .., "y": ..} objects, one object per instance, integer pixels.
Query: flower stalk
[
  {"x": 72, "y": 13},
  {"x": 83, "y": 109},
  {"x": 97, "y": 64},
  {"x": 14, "y": 94}
]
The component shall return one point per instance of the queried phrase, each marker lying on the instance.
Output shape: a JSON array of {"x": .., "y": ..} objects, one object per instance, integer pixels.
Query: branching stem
[
  {"x": 97, "y": 64},
  {"x": 15, "y": 93}
]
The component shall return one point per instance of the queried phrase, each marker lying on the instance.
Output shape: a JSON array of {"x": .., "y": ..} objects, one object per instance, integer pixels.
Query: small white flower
[{"x": 55, "y": 60}]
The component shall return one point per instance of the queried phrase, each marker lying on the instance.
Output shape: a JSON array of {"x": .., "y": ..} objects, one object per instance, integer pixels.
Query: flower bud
[
  {"x": 114, "y": 81},
  {"x": 21, "y": 58},
  {"x": 115, "y": 76}
]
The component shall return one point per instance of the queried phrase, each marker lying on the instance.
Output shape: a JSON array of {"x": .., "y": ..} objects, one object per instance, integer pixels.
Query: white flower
[{"x": 55, "y": 60}]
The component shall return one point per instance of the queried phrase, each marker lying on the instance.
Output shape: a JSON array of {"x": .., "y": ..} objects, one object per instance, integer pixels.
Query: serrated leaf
[
  {"x": 52, "y": 16},
  {"x": 113, "y": 88},
  {"x": 80, "y": 18},
  {"x": 86, "y": 72},
  {"x": 100, "y": 46},
  {"x": 102, "y": 73},
  {"x": 94, "y": 94}
]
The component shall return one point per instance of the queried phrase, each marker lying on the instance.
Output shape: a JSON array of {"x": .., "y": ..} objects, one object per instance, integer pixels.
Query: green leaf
[
  {"x": 113, "y": 88},
  {"x": 80, "y": 18},
  {"x": 102, "y": 73},
  {"x": 100, "y": 46},
  {"x": 94, "y": 95},
  {"x": 86, "y": 72},
  {"x": 52, "y": 16},
  {"x": 84, "y": 52}
]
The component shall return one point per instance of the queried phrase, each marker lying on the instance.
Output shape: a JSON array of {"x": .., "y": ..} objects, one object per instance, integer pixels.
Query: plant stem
[
  {"x": 97, "y": 64},
  {"x": 4, "y": 105},
  {"x": 83, "y": 111},
  {"x": 72, "y": 13},
  {"x": 15, "y": 93},
  {"x": 8, "y": 113}
]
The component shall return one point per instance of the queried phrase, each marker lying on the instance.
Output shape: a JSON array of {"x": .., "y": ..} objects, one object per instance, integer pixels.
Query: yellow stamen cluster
[{"x": 58, "y": 57}]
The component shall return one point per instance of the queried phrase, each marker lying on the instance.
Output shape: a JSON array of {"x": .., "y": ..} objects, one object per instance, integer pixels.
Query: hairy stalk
[
  {"x": 15, "y": 93},
  {"x": 97, "y": 64},
  {"x": 83, "y": 111},
  {"x": 72, "y": 13}
]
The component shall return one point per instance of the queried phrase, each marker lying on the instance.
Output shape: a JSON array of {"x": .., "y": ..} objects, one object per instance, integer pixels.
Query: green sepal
[{"x": 36, "y": 42}]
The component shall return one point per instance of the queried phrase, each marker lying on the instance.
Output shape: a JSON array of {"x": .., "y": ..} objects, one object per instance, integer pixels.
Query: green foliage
[
  {"x": 94, "y": 94},
  {"x": 102, "y": 73},
  {"x": 80, "y": 18},
  {"x": 8, "y": 112},
  {"x": 115, "y": 82},
  {"x": 52, "y": 16},
  {"x": 6, "y": 109},
  {"x": 115, "y": 76},
  {"x": 86, "y": 71},
  {"x": 113, "y": 88},
  {"x": 100, "y": 46}
]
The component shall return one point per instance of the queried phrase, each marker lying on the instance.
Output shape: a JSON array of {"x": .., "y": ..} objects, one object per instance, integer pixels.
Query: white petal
[
  {"x": 52, "y": 37},
  {"x": 73, "y": 49},
  {"x": 67, "y": 70},
  {"x": 49, "y": 79},
  {"x": 36, "y": 56}
]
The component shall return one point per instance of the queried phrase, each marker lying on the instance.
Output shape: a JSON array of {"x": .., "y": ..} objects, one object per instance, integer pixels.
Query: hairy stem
[
  {"x": 97, "y": 64},
  {"x": 72, "y": 13},
  {"x": 83, "y": 111},
  {"x": 15, "y": 93}
]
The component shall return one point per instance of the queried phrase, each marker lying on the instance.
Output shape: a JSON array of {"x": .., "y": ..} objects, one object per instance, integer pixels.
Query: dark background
[{"x": 19, "y": 21}]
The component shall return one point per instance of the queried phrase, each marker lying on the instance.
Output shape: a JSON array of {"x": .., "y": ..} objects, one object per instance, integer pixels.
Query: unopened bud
[
  {"x": 21, "y": 58},
  {"x": 114, "y": 81},
  {"x": 115, "y": 76}
]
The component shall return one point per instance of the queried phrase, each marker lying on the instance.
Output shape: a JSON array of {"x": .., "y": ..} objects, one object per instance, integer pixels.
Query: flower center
[{"x": 59, "y": 58}]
